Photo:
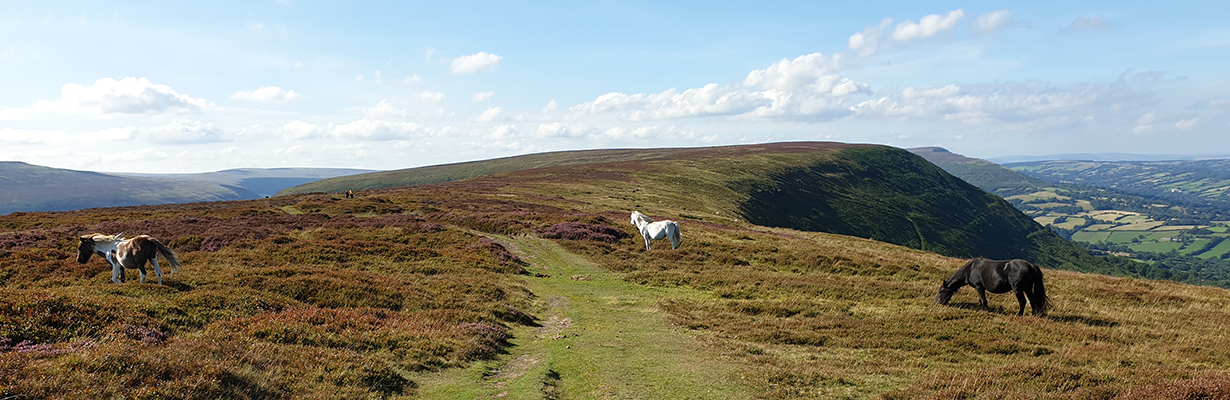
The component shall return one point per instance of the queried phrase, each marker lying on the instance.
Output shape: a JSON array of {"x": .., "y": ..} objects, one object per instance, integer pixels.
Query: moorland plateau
[{"x": 808, "y": 270}]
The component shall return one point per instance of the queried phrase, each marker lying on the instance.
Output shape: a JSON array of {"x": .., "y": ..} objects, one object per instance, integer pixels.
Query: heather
[{"x": 533, "y": 284}]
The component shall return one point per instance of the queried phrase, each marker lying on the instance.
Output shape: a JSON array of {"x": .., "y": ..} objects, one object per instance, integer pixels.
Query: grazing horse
[
  {"x": 656, "y": 230},
  {"x": 1018, "y": 276},
  {"x": 127, "y": 253}
]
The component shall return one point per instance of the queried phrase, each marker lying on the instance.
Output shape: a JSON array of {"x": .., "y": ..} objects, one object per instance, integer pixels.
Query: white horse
[{"x": 656, "y": 230}]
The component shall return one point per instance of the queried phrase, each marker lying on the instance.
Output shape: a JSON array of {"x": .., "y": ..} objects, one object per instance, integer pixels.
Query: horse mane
[
  {"x": 642, "y": 216},
  {"x": 945, "y": 293},
  {"x": 102, "y": 238}
]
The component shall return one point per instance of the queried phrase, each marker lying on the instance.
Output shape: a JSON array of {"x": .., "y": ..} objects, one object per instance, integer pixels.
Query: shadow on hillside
[{"x": 1084, "y": 320}]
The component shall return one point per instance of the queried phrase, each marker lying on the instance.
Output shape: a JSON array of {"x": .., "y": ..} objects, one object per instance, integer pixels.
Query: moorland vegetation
[{"x": 389, "y": 294}]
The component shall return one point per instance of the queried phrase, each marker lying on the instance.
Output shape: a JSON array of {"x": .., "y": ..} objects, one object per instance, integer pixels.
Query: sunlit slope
[{"x": 868, "y": 191}]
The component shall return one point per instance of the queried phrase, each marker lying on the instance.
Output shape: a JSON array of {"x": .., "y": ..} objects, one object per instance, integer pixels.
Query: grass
[
  {"x": 1157, "y": 247},
  {"x": 1217, "y": 251},
  {"x": 451, "y": 291}
]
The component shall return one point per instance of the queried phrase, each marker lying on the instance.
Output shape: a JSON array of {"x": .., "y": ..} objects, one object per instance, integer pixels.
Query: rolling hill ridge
[
  {"x": 532, "y": 284},
  {"x": 26, "y": 188}
]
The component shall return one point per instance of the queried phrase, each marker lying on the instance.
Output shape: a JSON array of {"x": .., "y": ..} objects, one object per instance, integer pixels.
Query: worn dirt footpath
[{"x": 600, "y": 338}]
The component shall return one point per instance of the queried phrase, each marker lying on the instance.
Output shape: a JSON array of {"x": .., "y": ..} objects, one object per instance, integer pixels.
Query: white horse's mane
[
  {"x": 642, "y": 216},
  {"x": 101, "y": 238}
]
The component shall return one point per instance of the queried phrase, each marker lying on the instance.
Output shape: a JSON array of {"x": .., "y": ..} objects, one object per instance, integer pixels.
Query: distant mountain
[
  {"x": 1185, "y": 181},
  {"x": 1102, "y": 157},
  {"x": 25, "y": 187},
  {"x": 984, "y": 174}
]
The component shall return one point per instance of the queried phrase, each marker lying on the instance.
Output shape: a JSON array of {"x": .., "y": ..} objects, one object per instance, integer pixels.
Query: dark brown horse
[
  {"x": 127, "y": 253},
  {"x": 1017, "y": 276}
]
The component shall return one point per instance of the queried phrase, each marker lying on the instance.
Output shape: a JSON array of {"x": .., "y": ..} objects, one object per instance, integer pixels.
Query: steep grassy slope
[
  {"x": 317, "y": 296},
  {"x": 867, "y": 191},
  {"x": 984, "y": 174},
  {"x": 25, "y": 187}
]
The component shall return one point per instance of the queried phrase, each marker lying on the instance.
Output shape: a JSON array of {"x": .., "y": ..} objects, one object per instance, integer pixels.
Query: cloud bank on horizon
[{"x": 376, "y": 86}]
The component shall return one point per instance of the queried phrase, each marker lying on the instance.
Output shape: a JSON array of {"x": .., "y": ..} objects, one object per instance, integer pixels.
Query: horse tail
[
  {"x": 1041, "y": 304},
  {"x": 166, "y": 252},
  {"x": 676, "y": 236}
]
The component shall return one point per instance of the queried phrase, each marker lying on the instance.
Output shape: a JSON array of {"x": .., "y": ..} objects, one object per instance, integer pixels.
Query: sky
[{"x": 166, "y": 87}]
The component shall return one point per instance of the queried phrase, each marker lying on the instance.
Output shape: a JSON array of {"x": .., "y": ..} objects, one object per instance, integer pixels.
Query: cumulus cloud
[
  {"x": 1187, "y": 124},
  {"x": 1087, "y": 23},
  {"x": 296, "y": 130},
  {"x": 807, "y": 86},
  {"x": 481, "y": 96},
  {"x": 375, "y": 129},
  {"x": 267, "y": 94},
  {"x": 385, "y": 110},
  {"x": 431, "y": 97},
  {"x": 480, "y": 62},
  {"x": 413, "y": 79},
  {"x": 873, "y": 38},
  {"x": 993, "y": 22},
  {"x": 551, "y": 106},
  {"x": 928, "y": 26},
  {"x": 503, "y": 132},
  {"x": 1007, "y": 103},
  {"x": 109, "y": 96},
  {"x": 562, "y": 130},
  {"x": 490, "y": 115}
]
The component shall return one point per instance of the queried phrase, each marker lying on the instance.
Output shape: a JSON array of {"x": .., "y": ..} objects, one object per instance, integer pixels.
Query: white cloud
[
  {"x": 480, "y": 62},
  {"x": 431, "y": 97},
  {"x": 993, "y": 22},
  {"x": 481, "y": 96},
  {"x": 378, "y": 77},
  {"x": 503, "y": 132},
  {"x": 870, "y": 40},
  {"x": 928, "y": 26},
  {"x": 384, "y": 110},
  {"x": 1144, "y": 123},
  {"x": 1007, "y": 103},
  {"x": 182, "y": 131},
  {"x": 296, "y": 129},
  {"x": 413, "y": 79},
  {"x": 1087, "y": 23},
  {"x": 551, "y": 106},
  {"x": 559, "y": 129},
  {"x": 375, "y": 129},
  {"x": 490, "y": 115},
  {"x": 109, "y": 96},
  {"x": 267, "y": 94},
  {"x": 358, "y": 78},
  {"x": 807, "y": 87},
  {"x": 1187, "y": 124},
  {"x": 255, "y": 26}
]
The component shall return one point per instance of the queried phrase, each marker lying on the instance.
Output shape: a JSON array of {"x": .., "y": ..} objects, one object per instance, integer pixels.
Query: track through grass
[{"x": 599, "y": 337}]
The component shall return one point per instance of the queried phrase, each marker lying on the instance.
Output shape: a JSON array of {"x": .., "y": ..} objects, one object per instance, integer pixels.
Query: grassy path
[{"x": 600, "y": 338}]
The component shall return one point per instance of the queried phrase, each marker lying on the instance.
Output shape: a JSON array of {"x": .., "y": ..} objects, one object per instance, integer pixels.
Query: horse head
[
  {"x": 945, "y": 293},
  {"x": 85, "y": 249}
]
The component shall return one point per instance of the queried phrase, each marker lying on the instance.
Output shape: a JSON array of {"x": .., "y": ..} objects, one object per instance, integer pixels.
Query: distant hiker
[
  {"x": 350, "y": 194},
  {"x": 656, "y": 230},
  {"x": 1017, "y": 276}
]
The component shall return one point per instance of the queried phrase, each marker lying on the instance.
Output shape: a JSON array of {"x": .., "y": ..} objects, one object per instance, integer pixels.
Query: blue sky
[{"x": 151, "y": 87}]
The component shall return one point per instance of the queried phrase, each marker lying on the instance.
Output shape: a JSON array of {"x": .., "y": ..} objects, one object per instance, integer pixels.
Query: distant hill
[
  {"x": 1113, "y": 157},
  {"x": 1183, "y": 181},
  {"x": 25, "y": 187},
  {"x": 978, "y": 172},
  {"x": 867, "y": 191}
]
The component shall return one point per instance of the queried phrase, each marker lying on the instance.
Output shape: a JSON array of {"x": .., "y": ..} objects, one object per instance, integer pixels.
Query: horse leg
[
  {"x": 648, "y": 242},
  {"x": 141, "y": 269},
  {"x": 1020, "y": 298},
  {"x": 982, "y": 299},
  {"x": 158, "y": 270},
  {"x": 116, "y": 271}
]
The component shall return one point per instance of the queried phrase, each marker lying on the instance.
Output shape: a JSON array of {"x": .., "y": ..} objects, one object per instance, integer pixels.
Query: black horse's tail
[
  {"x": 166, "y": 252},
  {"x": 1040, "y": 303}
]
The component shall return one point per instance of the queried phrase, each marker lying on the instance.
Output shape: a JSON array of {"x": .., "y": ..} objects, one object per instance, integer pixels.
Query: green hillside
[
  {"x": 978, "y": 172},
  {"x": 875, "y": 192},
  {"x": 530, "y": 284}
]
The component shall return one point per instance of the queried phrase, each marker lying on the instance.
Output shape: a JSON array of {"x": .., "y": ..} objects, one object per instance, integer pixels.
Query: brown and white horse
[{"x": 127, "y": 253}]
